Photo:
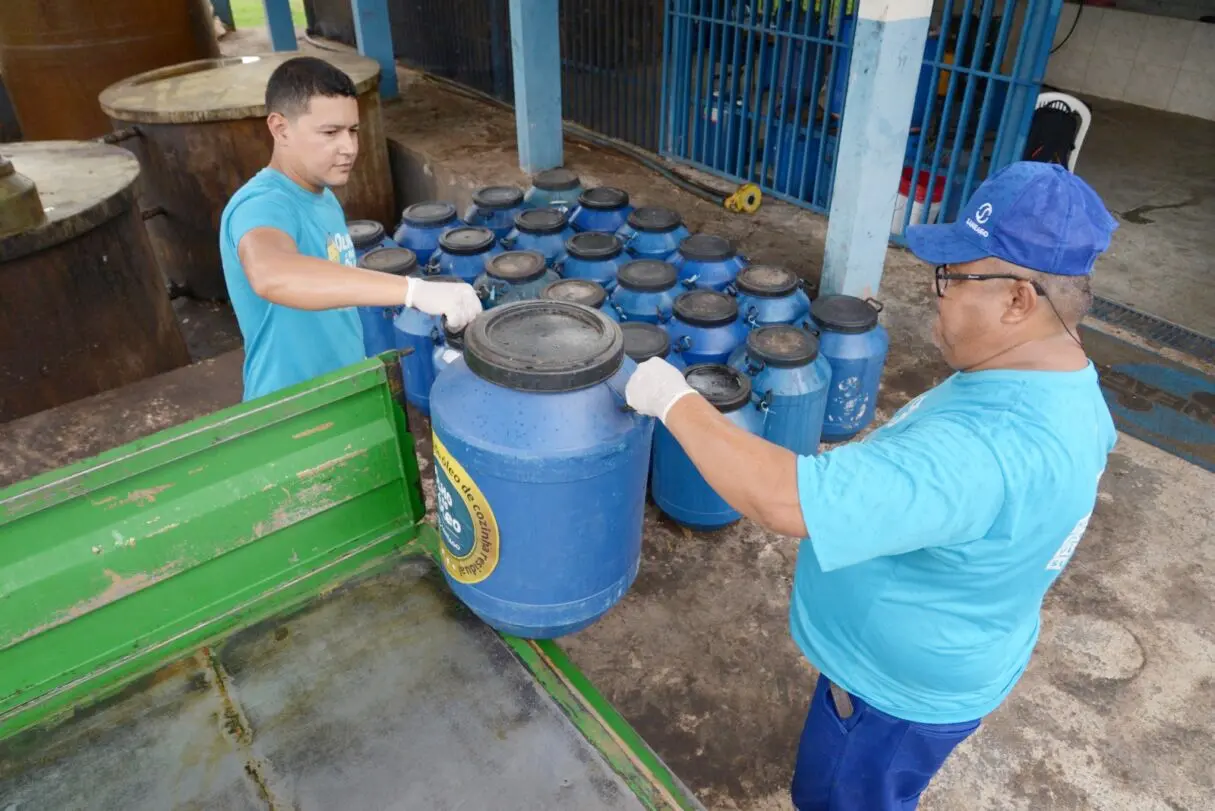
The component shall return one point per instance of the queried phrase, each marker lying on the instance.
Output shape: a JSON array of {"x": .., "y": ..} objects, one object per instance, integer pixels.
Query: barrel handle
[
  {"x": 752, "y": 369},
  {"x": 763, "y": 403},
  {"x": 432, "y": 268},
  {"x": 810, "y": 328},
  {"x": 875, "y": 304},
  {"x": 752, "y": 316},
  {"x": 690, "y": 282},
  {"x": 683, "y": 344},
  {"x": 560, "y": 206},
  {"x": 619, "y": 310},
  {"x": 731, "y": 289},
  {"x": 624, "y": 401},
  {"x": 629, "y": 239},
  {"x": 559, "y": 266},
  {"x": 508, "y": 242},
  {"x": 809, "y": 289},
  {"x": 436, "y": 336},
  {"x": 663, "y": 317}
]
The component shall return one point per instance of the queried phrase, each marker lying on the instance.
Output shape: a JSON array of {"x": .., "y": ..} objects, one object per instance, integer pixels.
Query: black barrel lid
[
  {"x": 726, "y": 388},
  {"x": 466, "y": 240},
  {"x": 643, "y": 341},
  {"x": 594, "y": 245},
  {"x": 516, "y": 266},
  {"x": 766, "y": 281},
  {"x": 365, "y": 233},
  {"x": 782, "y": 345},
  {"x": 541, "y": 221},
  {"x": 604, "y": 198},
  {"x": 647, "y": 276},
  {"x": 706, "y": 248},
  {"x": 655, "y": 219},
  {"x": 498, "y": 197},
  {"x": 847, "y": 314},
  {"x": 429, "y": 214},
  {"x": 397, "y": 261},
  {"x": 543, "y": 346},
  {"x": 578, "y": 291},
  {"x": 453, "y": 337},
  {"x": 560, "y": 179},
  {"x": 706, "y": 308}
]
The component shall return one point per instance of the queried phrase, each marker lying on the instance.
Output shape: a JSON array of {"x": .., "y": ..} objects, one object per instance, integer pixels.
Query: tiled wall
[{"x": 1161, "y": 62}]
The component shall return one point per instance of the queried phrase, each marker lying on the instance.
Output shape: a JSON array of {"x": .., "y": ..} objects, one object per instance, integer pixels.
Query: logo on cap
[{"x": 984, "y": 213}]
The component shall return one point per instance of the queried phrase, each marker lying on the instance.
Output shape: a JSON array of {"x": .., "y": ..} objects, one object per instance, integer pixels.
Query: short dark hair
[{"x": 293, "y": 84}]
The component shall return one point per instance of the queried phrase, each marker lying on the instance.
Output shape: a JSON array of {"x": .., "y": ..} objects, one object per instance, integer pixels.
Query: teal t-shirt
[
  {"x": 285, "y": 346},
  {"x": 933, "y": 542}
]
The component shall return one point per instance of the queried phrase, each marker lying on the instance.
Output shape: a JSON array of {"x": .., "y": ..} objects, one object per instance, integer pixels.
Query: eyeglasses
[{"x": 943, "y": 278}]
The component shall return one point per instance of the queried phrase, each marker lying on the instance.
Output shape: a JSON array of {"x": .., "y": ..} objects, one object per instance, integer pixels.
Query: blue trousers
[{"x": 869, "y": 761}]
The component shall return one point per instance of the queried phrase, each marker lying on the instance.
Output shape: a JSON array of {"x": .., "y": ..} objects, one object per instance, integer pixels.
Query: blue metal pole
[
  {"x": 536, "y": 50},
  {"x": 282, "y": 29},
  {"x": 373, "y": 33},
  {"x": 223, "y": 10},
  {"x": 890, "y": 36}
]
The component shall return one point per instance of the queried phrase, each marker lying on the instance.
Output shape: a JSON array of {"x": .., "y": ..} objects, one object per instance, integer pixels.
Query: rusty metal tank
[
  {"x": 83, "y": 307},
  {"x": 202, "y": 133},
  {"x": 57, "y": 55}
]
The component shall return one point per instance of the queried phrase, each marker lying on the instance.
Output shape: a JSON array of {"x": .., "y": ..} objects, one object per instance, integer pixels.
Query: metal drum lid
[
  {"x": 577, "y": 291},
  {"x": 706, "y": 248},
  {"x": 397, "y": 261},
  {"x": 498, "y": 197},
  {"x": 516, "y": 266},
  {"x": 782, "y": 346},
  {"x": 560, "y": 179},
  {"x": 594, "y": 245},
  {"x": 428, "y": 215},
  {"x": 647, "y": 276},
  {"x": 604, "y": 198},
  {"x": 644, "y": 341},
  {"x": 466, "y": 240},
  {"x": 846, "y": 314},
  {"x": 706, "y": 308},
  {"x": 766, "y": 281},
  {"x": 726, "y": 388},
  {"x": 543, "y": 346},
  {"x": 655, "y": 219},
  {"x": 365, "y": 233},
  {"x": 541, "y": 221}
]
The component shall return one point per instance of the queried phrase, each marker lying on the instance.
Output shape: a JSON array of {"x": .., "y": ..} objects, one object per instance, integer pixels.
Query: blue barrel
[
  {"x": 706, "y": 327},
  {"x": 791, "y": 379},
  {"x": 540, "y": 229},
  {"x": 540, "y": 470},
  {"x": 419, "y": 333},
  {"x": 768, "y": 294},
  {"x": 707, "y": 261},
  {"x": 367, "y": 235},
  {"x": 449, "y": 347},
  {"x": 513, "y": 276},
  {"x": 603, "y": 208},
  {"x": 855, "y": 344},
  {"x": 462, "y": 252},
  {"x": 645, "y": 291},
  {"x": 652, "y": 232},
  {"x": 676, "y": 485},
  {"x": 421, "y": 225},
  {"x": 595, "y": 256},
  {"x": 578, "y": 291},
  {"x": 554, "y": 188},
  {"x": 643, "y": 341},
  {"x": 378, "y": 333},
  {"x": 495, "y": 207}
]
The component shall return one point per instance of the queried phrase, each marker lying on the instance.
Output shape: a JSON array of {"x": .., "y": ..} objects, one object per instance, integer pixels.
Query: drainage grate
[{"x": 1155, "y": 329}]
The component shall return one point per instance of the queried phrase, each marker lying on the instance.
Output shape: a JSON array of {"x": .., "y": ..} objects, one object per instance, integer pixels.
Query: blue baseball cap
[{"x": 1036, "y": 215}]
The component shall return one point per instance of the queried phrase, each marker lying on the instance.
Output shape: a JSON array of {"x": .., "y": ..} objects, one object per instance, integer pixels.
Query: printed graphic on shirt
[
  {"x": 1069, "y": 545},
  {"x": 340, "y": 248}
]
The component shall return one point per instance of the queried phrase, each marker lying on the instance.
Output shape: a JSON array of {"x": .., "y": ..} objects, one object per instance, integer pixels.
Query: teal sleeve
[
  {"x": 935, "y": 483},
  {"x": 271, "y": 210}
]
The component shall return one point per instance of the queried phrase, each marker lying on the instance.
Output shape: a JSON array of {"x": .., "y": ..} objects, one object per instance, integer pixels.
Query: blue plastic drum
[
  {"x": 540, "y": 470},
  {"x": 706, "y": 327},
  {"x": 791, "y": 379},
  {"x": 676, "y": 485},
  {"x": 495, "y": 207},
  {"x": 513, "y": 276},
  {"x": 708, "y": 262},
  {"x": 554, "y": 188},
  {"x": 578, "y": 291},
  {"x": 594, "y": 256},
  {"x": 367, "y": 235},
  {"x": 645, "y": 291},
  {"x": 643, "y": 341},
  {"x": 855, "y": 344},
  {"x": 462, "y": 252},
  {"x": 544, "y": 230},
  {"x": 771, "y": 295},
  {"x": 421, "y": 225},
  {"x": 604, "y": 208},
  {"x": 419, "y": 333},
  {"x": 378, "y": 333},
  {"x": 652, "y": 232}
]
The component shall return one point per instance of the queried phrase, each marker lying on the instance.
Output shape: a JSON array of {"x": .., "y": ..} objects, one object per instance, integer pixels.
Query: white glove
[
  {"x": 459, "y": 302},
  {"x": 655, "y": 387}
]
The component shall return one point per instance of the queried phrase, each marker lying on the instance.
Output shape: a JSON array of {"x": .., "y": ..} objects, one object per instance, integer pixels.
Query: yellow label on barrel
[{"x": 466, "y": 523}]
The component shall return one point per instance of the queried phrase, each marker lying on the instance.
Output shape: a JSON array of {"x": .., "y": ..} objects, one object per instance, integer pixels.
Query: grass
[{"x": 251, "y": 13}]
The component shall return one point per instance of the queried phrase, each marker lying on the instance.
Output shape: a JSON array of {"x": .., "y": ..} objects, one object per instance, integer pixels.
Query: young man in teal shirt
[
  {"x": 929, "y": 545},
  {"x": 288, "y": 260}
]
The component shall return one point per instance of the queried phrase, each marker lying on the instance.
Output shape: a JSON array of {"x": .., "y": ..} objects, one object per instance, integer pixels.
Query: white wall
[{"x": 1160, "y": 62}]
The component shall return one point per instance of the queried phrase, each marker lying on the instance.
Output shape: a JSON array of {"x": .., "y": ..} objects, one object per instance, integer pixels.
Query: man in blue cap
[{"x": 929, "y": 545}]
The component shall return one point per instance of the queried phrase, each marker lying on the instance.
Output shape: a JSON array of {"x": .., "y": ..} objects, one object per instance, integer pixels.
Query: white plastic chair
[{"x": 1073, "y": 105}]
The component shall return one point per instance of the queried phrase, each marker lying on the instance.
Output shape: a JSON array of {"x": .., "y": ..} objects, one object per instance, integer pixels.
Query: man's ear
[
  {"x": 278, "y": 125},
  {"x": 1023, "y": 301}
]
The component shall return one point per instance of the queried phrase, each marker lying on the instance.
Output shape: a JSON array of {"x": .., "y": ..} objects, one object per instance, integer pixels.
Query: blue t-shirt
[
  {"x": 932, "y": 543},
  {"x": 285, "y": 346}
]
